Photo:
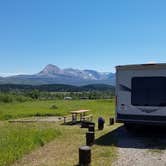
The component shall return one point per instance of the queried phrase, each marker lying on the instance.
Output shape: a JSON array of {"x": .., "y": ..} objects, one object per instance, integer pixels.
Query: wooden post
[
  {"x": 81, "y": 117},
  {"x": 101, "y": 122},
  {"x": 111, "y": 121},
  {"x": 64, "y": 119},
  {"x": 84, "y": 156},
  {"x": 90, "y": 138},
  {"x": 91, "y": 128}
]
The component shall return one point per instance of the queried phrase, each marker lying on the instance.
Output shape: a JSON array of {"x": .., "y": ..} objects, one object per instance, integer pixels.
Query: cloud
[
  {"x": 11, "y": 74},
  {"x": 151, "y": 62}
]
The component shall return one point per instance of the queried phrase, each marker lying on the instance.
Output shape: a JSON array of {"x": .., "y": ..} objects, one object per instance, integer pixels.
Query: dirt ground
[
  {"x": 63, "y": 151},
  {"x": 38, "y": 119},
  {"x": 55, "y": 153}
]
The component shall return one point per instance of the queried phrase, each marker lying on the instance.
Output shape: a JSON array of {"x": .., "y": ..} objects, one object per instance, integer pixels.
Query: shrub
[
  {"x": 22, "y": 98},
  {"x": 53, "y": 107},
  {"x": 9, "y": 98},
  {"x": 6, "y": 98}
]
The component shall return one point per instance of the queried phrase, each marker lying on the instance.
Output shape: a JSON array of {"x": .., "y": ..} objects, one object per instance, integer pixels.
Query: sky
[{"x": 82, "y": 34}]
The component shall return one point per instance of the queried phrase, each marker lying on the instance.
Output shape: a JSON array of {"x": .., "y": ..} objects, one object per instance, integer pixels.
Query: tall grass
[{"x": 17, "y": 140}]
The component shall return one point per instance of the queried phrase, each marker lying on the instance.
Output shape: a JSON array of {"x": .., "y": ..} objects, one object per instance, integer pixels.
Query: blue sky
[{"x": 93, "y": 34}]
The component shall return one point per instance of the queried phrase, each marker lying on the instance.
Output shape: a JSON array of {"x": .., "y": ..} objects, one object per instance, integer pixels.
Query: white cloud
[
  {"x": 10, "y": 74},
  {"x": 151, "y": 62}
]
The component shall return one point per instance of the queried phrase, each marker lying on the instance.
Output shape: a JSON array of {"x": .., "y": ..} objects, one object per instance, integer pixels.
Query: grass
[
  {"x": 67, "y": 145},
  {"x": 103, "y": 108},
  {"x": 101, "y": 154},
  {"x": 16, "y": 140}
]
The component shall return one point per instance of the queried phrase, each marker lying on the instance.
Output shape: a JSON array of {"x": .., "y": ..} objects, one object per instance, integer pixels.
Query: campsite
[
  {"x": 83, "y": 83},
  {"x": 47, "y": 143},
  {"x": 19, "y": 139}
]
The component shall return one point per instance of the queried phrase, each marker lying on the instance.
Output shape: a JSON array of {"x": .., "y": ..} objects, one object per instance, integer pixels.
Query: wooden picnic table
[{"x": 81, "y": 113}]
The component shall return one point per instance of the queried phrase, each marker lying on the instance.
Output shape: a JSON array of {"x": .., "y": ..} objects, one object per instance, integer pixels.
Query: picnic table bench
[
  {"x": 67, "y": 118},
  {"x": 88, "y": 117},
  {"x": 78, "y": 116}
]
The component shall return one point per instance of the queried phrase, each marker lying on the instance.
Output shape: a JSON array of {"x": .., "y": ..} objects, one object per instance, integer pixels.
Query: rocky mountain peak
[{"x": 50, "y": 70}]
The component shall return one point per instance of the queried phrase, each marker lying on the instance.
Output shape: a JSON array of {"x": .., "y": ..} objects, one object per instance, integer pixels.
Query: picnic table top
[{"x": 79, "y": 111}]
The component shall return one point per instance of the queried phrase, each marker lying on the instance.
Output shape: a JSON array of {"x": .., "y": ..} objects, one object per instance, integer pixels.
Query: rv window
[{"x": 148, "y": 91}]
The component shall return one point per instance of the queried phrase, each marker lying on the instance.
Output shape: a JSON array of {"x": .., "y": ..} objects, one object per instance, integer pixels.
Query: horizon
[
  {"x": 14, "y": 74},
  {"x": 80, "y": 34}
]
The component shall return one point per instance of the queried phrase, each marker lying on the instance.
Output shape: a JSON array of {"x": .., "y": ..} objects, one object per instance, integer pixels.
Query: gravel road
[{"x": 142, "y": 147}]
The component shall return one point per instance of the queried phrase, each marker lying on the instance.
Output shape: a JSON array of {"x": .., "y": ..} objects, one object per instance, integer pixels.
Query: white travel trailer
[{"x": 141, "y": 94}]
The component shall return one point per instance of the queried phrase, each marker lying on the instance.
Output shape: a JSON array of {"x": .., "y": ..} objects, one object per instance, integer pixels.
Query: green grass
[
  {"x": 103, "y": 108},
  {"x": 67, "y": 145},
  {"x": 17, "y": 140}
]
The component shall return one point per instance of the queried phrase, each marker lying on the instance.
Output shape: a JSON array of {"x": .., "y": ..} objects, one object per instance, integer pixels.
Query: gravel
[{"x": 145, "y": 147}]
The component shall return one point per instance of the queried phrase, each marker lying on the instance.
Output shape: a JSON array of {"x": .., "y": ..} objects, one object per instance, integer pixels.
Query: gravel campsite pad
[
  {"x": 140, "y": 148},
  {"x": 39, "y": 119}
]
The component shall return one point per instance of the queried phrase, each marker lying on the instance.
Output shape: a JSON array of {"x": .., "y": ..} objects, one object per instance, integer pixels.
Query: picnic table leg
[
  {"x": 81, "y": 117},
  {"x": 64, "y": 119},
  {"x": 74, "y": 118}
]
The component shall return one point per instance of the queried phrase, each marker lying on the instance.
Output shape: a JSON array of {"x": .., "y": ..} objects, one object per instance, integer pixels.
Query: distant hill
[
  {"x": 52, "y": 74},
  {"x": 98, "y": 87},
  {"x": 57, "y": 87}
]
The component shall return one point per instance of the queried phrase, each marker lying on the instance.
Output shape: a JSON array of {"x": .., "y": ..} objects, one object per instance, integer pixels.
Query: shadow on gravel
[{"x": 148, "y": 137}]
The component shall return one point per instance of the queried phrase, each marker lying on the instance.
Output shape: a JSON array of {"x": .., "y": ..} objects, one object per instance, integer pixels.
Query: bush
[
  {"x": 54, "y": 107},
  {"x": 6, "y": 98},
  {"x": 34, "y": 94},
  {"x": 22, "y": 99},
  {"x": 9, "y": 98}
]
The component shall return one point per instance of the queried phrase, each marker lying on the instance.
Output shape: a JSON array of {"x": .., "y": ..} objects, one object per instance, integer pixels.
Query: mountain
[
  {"x": 50, "y": 70},
  {"x": 52, "y": 74}
]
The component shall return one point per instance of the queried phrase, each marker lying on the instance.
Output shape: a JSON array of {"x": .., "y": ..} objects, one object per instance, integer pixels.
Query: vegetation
[
  {"x": 44, "y": 108},
  {"x": 12, "y": 97},
  {"x": 20, "y": 93},
  {"x": 16, "y": 139},
  {"x": 56, "y": 88},
  {"x": 37, "y": 95},
  {"x": 101, "y": 154},
  {"x": 19, "y": 139}
]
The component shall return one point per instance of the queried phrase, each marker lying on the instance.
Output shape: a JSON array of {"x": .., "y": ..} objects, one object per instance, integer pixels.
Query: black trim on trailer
[{"x": 141, "y": 118}]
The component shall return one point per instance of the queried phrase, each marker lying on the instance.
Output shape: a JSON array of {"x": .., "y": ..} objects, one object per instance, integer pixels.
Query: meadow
[
  {"x": 8, "y": 111},
  {"x": 18, "y": 140}
]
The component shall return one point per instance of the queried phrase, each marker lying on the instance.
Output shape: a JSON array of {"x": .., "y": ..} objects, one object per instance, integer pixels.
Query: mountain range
[{"x": 52, "y": 74}]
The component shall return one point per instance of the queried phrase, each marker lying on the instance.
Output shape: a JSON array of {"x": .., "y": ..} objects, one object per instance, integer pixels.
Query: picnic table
[{"x": 81, "y": 114}]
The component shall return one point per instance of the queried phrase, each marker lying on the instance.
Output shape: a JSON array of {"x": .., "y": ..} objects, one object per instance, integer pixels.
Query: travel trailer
[{"x": 141, "y": 94}]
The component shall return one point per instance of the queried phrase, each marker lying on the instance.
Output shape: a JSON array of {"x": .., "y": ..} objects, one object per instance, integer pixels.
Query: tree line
[
  {"x": 56, "y": 87},
  {"x": 23, "y": 93}
]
